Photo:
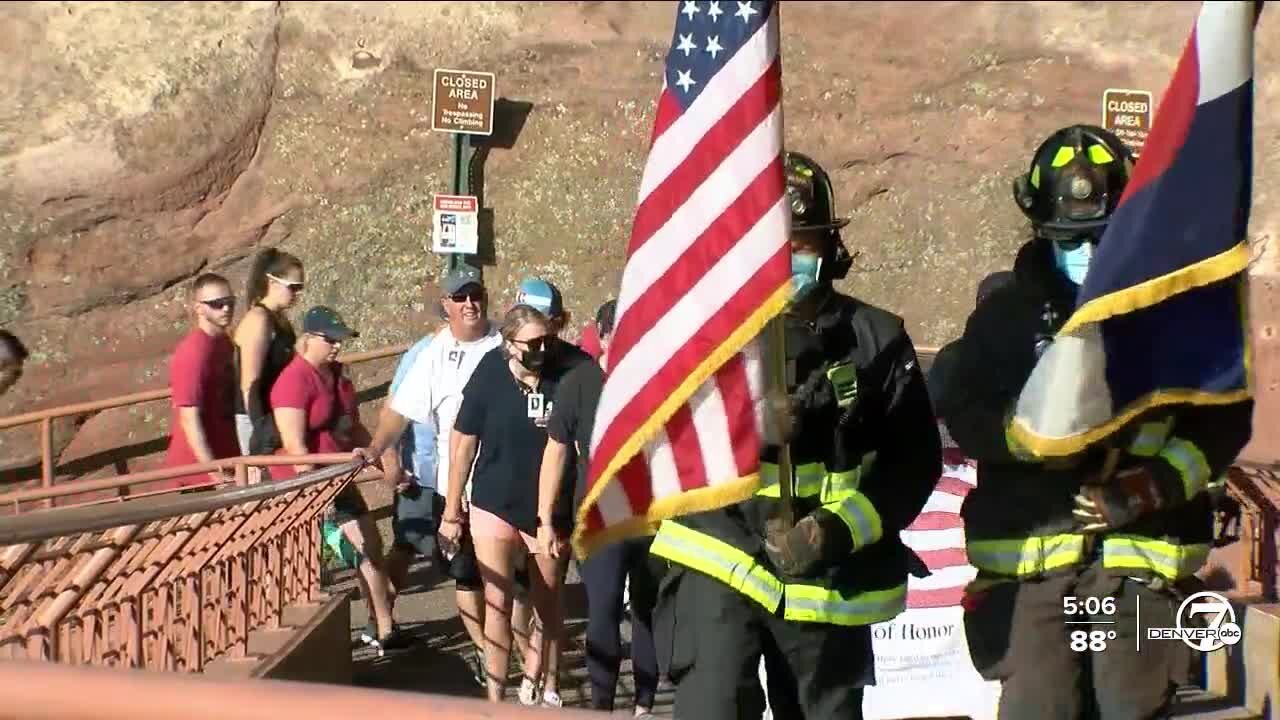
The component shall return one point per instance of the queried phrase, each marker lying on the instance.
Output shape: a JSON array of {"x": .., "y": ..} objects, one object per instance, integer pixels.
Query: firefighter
[
  {"x": 865, "y": 457},
  {"x": 1062, "y": 542}
]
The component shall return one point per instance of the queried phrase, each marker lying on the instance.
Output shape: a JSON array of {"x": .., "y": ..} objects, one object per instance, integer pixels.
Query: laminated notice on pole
[{"x": 455, "y": 227}]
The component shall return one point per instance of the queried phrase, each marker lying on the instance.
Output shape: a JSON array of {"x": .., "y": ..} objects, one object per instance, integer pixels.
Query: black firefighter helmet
[
  {"x": 1075, "y": 182},
  {"x": 812, "y": 201}
]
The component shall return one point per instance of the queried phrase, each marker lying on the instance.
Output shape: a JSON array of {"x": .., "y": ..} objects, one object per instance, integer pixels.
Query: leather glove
[
  {"x": 815, "y": 398},
  {"x": 815, "y": 394},
  {"x": 796, "y": 551},
  {"x": 809, "y": 545},
  {"x": 1127, "y": 496}
]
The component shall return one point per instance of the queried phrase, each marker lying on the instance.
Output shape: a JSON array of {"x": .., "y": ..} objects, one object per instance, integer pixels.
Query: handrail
[
  {"x": 49, "y": 691},
  {"x": 47, "y": 416},
  {"x": 13, "y": 421},
  {"x": 170, "y": 583},
  {"x": 121, "y": 481},
  {"x": 53, "y": 413},
  {"x": 35, "y": 527}
]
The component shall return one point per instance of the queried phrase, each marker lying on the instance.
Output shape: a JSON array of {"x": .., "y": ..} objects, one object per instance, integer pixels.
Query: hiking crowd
[{"x": 483, "y": 440}]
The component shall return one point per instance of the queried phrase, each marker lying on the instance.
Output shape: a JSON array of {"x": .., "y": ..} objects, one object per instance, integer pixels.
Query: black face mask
[{"x": 533, "y": 359}]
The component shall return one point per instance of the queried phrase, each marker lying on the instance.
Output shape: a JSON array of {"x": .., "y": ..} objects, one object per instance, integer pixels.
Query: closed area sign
[
  {"x": 462, "y": 102},
  {"x": 1127, "y": 113}
]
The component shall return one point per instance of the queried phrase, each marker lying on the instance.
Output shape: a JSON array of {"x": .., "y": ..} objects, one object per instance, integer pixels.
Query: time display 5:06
[{"x": 1072, "y": 605}]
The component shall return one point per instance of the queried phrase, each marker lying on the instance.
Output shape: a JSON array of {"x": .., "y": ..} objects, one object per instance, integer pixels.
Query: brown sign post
[
  {"x": 462, "y": 102},
  {"x": 1127, "y": 113}
]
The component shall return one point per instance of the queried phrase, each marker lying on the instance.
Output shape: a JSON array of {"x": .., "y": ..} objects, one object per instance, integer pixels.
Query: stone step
[{"x": 1195, "y": 703}]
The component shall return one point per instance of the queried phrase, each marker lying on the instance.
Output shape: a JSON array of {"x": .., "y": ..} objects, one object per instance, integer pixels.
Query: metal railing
[
  {"x": 168, "y": 582},
  {"x": 1256, "y": 489},
  {"x": 44, "y": 691},
  {"x": 46, "y": 417}
]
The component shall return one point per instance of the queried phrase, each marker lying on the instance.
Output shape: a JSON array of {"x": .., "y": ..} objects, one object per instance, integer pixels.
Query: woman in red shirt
[{"x": 315, "y": 411}]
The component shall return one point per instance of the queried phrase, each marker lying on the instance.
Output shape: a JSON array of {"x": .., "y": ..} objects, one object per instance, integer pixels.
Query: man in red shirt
[{"x": 202, "y": 381}]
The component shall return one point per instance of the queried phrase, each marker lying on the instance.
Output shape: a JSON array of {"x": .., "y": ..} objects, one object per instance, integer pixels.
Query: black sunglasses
[
  {"x": 474, "y": 296},
  {"x": 327, "y": 339},
  {"x": 220, "y": 303},
  {"x": 535, "y": 344}
]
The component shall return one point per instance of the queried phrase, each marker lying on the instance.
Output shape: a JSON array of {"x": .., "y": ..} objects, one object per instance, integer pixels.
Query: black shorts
[
  {"x": 348, "y": 505},
  {"x": 413, "y": 520}
]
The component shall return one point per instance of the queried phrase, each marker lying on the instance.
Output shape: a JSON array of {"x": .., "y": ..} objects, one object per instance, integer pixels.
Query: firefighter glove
[
  {"x": 811, "y": 544},
  {"x": 1118, "y": 501}
]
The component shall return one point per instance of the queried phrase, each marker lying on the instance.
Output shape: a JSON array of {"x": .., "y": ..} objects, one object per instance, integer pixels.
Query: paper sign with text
[{"x": 456, "y": 226}]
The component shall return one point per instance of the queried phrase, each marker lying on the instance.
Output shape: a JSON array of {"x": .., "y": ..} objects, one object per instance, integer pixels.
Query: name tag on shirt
[{"x": 535, "y": 405}]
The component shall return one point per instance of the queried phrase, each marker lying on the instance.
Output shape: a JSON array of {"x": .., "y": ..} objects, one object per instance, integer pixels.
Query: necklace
[{"x": 525, "y": 388}]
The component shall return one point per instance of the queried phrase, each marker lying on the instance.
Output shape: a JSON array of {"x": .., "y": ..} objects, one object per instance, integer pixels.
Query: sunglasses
[
  {"x": 327, "y": 339},
  {"x": 474, "y": 296},
  {"x": 295, "y": 287},
  {"x": 221, "y": 303},
  {"x": 534, "y": 344}
]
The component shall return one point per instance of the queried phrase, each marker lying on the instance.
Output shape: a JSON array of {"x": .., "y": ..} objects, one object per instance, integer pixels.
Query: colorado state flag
[{"x": 1162, "y": 315}]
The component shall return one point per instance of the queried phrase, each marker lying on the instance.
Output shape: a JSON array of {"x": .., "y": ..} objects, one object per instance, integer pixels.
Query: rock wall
[{"x": 142, "y": 143}]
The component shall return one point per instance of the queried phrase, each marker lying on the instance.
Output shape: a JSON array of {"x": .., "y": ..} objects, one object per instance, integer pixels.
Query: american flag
[
  {"x": 681, "y": 419},
  {"x": 937, "y": 534}
]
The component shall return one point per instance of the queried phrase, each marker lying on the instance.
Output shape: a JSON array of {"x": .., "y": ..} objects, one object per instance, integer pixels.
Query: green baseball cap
[{"x": 326, "y": 321}]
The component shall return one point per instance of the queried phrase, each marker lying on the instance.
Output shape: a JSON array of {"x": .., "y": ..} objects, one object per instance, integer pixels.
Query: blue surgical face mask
[
  {"x": 804, "y": 274},
  {"x": 1074, "y": 262}
]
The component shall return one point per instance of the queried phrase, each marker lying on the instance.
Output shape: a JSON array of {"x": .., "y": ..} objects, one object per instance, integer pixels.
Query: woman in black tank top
[{"x": 264, "y": 344}]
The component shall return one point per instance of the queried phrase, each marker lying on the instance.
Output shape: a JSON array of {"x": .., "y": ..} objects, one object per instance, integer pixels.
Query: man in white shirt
[{"x": 429, "y": 393}]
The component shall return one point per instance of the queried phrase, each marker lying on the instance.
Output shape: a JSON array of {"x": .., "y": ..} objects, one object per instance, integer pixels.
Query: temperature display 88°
[{"x": 1083, "y": 612}]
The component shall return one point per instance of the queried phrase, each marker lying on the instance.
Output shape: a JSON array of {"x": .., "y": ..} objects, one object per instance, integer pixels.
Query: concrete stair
[{"x": 1240, "y": 682}]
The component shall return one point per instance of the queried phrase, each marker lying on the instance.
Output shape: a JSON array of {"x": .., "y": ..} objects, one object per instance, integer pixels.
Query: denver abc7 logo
[{"x": 1205, "y": 621}]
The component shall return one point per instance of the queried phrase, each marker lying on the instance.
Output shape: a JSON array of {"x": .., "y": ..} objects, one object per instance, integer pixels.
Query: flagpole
[{"x": 779, "y": 407}]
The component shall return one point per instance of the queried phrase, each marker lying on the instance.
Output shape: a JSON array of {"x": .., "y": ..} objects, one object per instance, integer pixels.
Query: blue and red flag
[{"x": 1162, "y": 317}]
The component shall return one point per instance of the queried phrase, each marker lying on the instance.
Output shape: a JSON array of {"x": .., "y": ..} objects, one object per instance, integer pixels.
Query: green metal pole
[{"x": 462, "y": 151}]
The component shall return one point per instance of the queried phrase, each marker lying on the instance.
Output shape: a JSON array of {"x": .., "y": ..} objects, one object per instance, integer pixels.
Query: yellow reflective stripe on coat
[
  {"x": 1190, "y": 463},
  {"x": 1150, "y": 438},
  {"x": 1029, "y": 556},
  {"x": 813, "y": 479},
  {"x": 857, "y": 512},
  {"x": 840, "y": 485},
  {"x": 1170, "y": 561},
  {"x": 809, "y": 479},
  {"x": 719, "y": 560},
  {"x": 810, "y": 603}
]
